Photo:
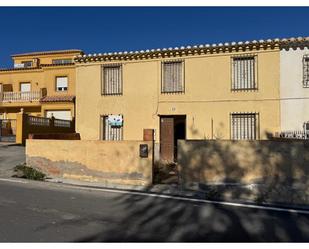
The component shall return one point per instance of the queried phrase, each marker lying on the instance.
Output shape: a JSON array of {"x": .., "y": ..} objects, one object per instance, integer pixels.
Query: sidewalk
[
  {"x": 176, "y": 191},
  {"x": 10, "y": 155}
]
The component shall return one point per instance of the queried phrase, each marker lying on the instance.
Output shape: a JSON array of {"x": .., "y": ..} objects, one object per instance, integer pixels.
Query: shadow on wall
[
  {"x": 109, "y": 163},
  {"x": 272, "y": 170},
  {"x": 149, "y": 218}
]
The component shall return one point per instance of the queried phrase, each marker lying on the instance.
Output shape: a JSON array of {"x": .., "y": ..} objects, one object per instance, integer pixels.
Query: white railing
[
  {"x": 20, "y": 96},
  {"x": 292, "y": 134}
]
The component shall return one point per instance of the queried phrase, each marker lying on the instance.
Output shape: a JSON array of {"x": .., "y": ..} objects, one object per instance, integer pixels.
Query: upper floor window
[
  {"x": 27, "y": 64},
  {"x": 244, "y": 73},
  {"x": 25, "y": 86},
  {"x": 62, "y": 83},
  {"x": 112, "y": 80},
  {"x": 244, "y": 126},
  {"x": 306, "y": 71},
  {"x": 61, "y": 61},
  {"x": 172, "y": 77}
]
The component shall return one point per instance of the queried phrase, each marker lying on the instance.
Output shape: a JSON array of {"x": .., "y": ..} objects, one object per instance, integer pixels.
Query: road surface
[{"x": 44, "y": 212}]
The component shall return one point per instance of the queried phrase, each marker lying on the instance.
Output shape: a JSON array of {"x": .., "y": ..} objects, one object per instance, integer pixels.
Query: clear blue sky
[{"x": 106, "y": 29}]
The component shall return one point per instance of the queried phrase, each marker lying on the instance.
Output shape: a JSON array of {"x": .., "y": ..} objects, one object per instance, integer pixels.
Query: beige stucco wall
[
  {"x": 267, "y": 162},
  {"x": 44, "y": 58},
  {"x": 207, "y": 96},
  {"x": 39, "y": 78},
  {"x": 95, "y": 161}
]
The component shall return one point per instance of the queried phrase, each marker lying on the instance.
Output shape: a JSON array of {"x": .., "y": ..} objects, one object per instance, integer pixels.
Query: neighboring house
[
  {"x": 42, "y": 83},
  {"x": 218, "y": 91},
  {"x": 294, "y": 85}
]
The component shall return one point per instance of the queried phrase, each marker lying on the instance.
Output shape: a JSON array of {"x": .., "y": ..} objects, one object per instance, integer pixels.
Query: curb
[{"x": 193, "y": 198}]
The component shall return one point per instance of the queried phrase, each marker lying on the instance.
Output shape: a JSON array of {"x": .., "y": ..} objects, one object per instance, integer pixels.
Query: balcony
[{"x": 22, "y": 97}]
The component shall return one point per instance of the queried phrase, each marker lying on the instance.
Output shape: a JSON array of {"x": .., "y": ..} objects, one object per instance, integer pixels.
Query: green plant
[{"x": 24, "y": 171}]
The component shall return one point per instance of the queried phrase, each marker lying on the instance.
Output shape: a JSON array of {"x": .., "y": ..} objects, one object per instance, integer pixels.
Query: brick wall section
[
  {"x": 107, "y": 162},
  {"x": 203, "y": 162}
]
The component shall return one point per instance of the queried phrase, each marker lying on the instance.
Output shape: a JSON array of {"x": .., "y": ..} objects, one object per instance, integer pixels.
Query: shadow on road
[{"x": 156, "y": 219}]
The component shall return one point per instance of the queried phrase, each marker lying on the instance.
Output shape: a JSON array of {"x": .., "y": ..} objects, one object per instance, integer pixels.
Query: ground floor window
[
  {"x": 112, "y": 127},
  {"x": 244, "y": 126}
]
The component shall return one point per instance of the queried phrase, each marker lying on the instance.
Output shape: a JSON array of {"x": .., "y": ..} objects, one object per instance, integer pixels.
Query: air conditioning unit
[{"x": 19, "y": 65}]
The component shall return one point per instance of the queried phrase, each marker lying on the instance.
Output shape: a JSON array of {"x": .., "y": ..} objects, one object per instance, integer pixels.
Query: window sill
[{"x": 245, "y": 90}]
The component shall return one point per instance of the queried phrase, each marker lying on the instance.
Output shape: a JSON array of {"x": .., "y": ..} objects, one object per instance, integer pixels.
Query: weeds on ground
[
  {"x": 24, "y": 171},
  {"x": 163, "y": 171}
]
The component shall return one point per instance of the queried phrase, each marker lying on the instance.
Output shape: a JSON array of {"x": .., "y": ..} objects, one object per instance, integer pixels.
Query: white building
[{"x": 294, "y": 87}]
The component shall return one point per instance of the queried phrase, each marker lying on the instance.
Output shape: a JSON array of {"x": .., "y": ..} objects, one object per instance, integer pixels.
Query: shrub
[{"x": 24, "y": 171}]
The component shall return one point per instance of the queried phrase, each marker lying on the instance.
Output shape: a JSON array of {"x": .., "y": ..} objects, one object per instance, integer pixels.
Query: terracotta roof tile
[
  {"x": 195, "y": 49},
  {"x": 58, "y": 98}
]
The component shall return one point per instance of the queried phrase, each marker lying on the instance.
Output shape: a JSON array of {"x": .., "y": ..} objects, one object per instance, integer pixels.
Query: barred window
[
  {"x": 244, "y": 126},
  {"x": 173, "y": 77},
  {"x": 244, "y": 73},
  {"x": 62, "y": 61},
  {"x": 112, "y": 80},
  {"x": 306, "y": 71},
  {"x": 27, "y": 64},
  {"x": 110, "y": 132}
]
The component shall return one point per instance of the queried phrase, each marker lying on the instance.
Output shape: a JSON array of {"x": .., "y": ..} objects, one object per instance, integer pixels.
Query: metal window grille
[
  {"x": 112, "y": 80},
  {"x": 244, "y": 77},
  {"x": 109, "y": 132},
  {"x": 27, "y": 64},
  {"x": 306, "y": 71},
  {"x": 62, "y": 61},
  {"x": 244, "y": 126},
  {"x": 173, "y": 77}
]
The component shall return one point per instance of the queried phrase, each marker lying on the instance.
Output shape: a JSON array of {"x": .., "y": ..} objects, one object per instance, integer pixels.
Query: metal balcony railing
[{"x": 9, "y": 97}]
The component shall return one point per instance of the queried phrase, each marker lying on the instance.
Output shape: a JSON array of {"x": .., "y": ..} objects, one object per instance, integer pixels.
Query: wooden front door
[{"x": 167, "y": 138}]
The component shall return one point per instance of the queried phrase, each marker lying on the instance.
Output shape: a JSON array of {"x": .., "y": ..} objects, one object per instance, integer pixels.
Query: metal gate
[{"x": 8, "y": 130}]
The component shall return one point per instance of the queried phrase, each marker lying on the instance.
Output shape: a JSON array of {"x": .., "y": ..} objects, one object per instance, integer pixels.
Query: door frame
[{"x": 172, "y": 116}]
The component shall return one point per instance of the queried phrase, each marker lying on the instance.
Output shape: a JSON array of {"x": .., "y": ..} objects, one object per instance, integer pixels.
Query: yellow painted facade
[
  {"x": 207, "y": 100},
  {"x": 42, "y": 78}
]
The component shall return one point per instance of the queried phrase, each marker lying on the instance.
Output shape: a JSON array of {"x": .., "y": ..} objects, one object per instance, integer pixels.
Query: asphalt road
[{"x": 45, "y": 212}]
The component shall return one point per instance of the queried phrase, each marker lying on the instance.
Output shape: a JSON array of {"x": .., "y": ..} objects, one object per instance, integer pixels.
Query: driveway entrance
[{"x": 10, "y": 156}]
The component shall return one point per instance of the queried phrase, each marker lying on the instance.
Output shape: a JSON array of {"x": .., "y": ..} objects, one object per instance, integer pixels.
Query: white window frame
[
  {"x": 25, "y": 83},
  {"x": 62, "y": 88}
]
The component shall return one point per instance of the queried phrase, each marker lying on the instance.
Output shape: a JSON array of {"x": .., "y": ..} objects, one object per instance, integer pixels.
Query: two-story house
[
  {"x": 211, "y": 91},
  {"x": 42, "y": 83}
]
